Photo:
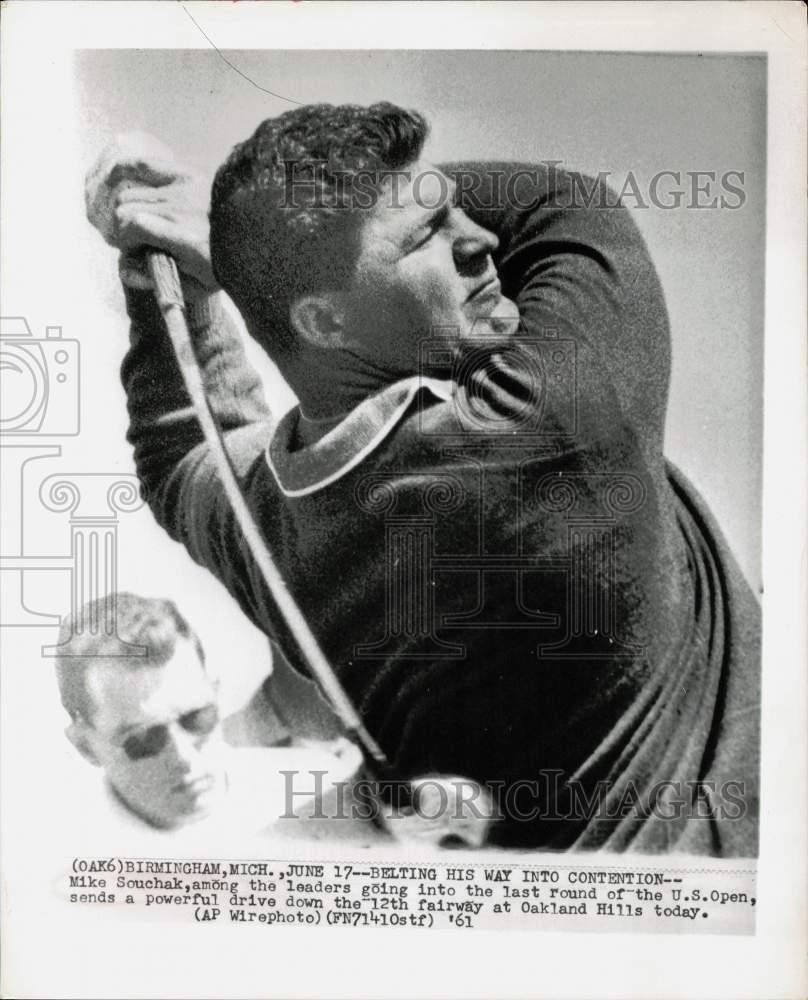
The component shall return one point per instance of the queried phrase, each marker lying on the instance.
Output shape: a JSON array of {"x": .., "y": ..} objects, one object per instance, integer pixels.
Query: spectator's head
[
  {"x": 150, "y": 721},
  {"x": 329, "y": 229}
]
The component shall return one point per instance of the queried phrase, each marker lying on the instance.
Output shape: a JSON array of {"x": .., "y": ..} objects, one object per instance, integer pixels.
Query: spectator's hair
[
  {"x": 153, "y": 623},
  {"x": 287, "y": 206}
]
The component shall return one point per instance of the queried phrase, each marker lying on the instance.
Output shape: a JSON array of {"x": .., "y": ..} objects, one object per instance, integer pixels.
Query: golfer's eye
[
  {"x": 148, "y": 743},
  {"x": 201, "y": 721},
  {"x": 435, "y": 224},
  {"x": 422, "y": 242}
]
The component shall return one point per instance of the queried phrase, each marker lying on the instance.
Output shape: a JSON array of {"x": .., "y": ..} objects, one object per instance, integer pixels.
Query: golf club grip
[{"x": 166, "y": 278}]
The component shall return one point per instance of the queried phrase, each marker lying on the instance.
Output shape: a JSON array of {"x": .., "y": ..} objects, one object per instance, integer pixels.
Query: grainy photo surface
[{"x": 382, "y": 508}]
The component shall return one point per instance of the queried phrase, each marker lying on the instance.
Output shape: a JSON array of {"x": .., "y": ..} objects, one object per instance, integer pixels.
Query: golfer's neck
[{"x": 329, "y": 385}]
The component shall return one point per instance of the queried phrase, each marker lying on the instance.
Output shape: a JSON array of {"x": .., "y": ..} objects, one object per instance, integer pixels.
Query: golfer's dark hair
[
  {"x": 93, "y": 633},
  {"x": 287, "y": 205}
]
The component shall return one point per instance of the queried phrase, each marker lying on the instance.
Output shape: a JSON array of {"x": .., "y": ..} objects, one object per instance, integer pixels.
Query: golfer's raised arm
[{"x": 573, "y": 259}]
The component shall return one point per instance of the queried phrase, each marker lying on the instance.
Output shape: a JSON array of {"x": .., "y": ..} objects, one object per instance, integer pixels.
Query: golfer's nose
[
  {"x": 182, "y": 748},
  {"x": 472, "y": 240}
]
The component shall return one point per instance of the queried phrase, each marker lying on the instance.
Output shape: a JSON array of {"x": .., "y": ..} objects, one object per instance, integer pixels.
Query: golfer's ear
[
  {"x": 319, "y": 319},
  {"x": 78, "y": 738}
]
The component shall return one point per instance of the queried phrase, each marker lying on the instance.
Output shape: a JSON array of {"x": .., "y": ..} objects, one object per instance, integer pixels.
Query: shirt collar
[{"x": 303, "y": 471}]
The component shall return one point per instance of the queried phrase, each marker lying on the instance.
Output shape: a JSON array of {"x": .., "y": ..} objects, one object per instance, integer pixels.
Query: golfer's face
[
  {"x": 156, "y": 733},
  {"x": 424, "y": 270}
]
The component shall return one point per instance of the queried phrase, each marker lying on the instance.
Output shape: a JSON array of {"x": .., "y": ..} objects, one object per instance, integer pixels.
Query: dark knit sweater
[{"x": 510, "y": 580}]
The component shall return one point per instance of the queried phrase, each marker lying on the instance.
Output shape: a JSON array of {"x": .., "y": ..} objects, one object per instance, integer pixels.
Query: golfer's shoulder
[{"x": 472, "y": 418}]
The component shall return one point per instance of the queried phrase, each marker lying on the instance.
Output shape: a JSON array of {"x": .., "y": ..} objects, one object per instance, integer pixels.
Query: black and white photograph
[{"x": 403, "y": 437}]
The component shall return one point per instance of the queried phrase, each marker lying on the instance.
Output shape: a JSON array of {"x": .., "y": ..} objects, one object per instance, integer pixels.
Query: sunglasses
[{"x": 152, "y": 741}]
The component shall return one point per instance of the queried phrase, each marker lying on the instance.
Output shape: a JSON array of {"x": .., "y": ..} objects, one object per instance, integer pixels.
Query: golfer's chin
[{"x": 493, "y": 315}]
